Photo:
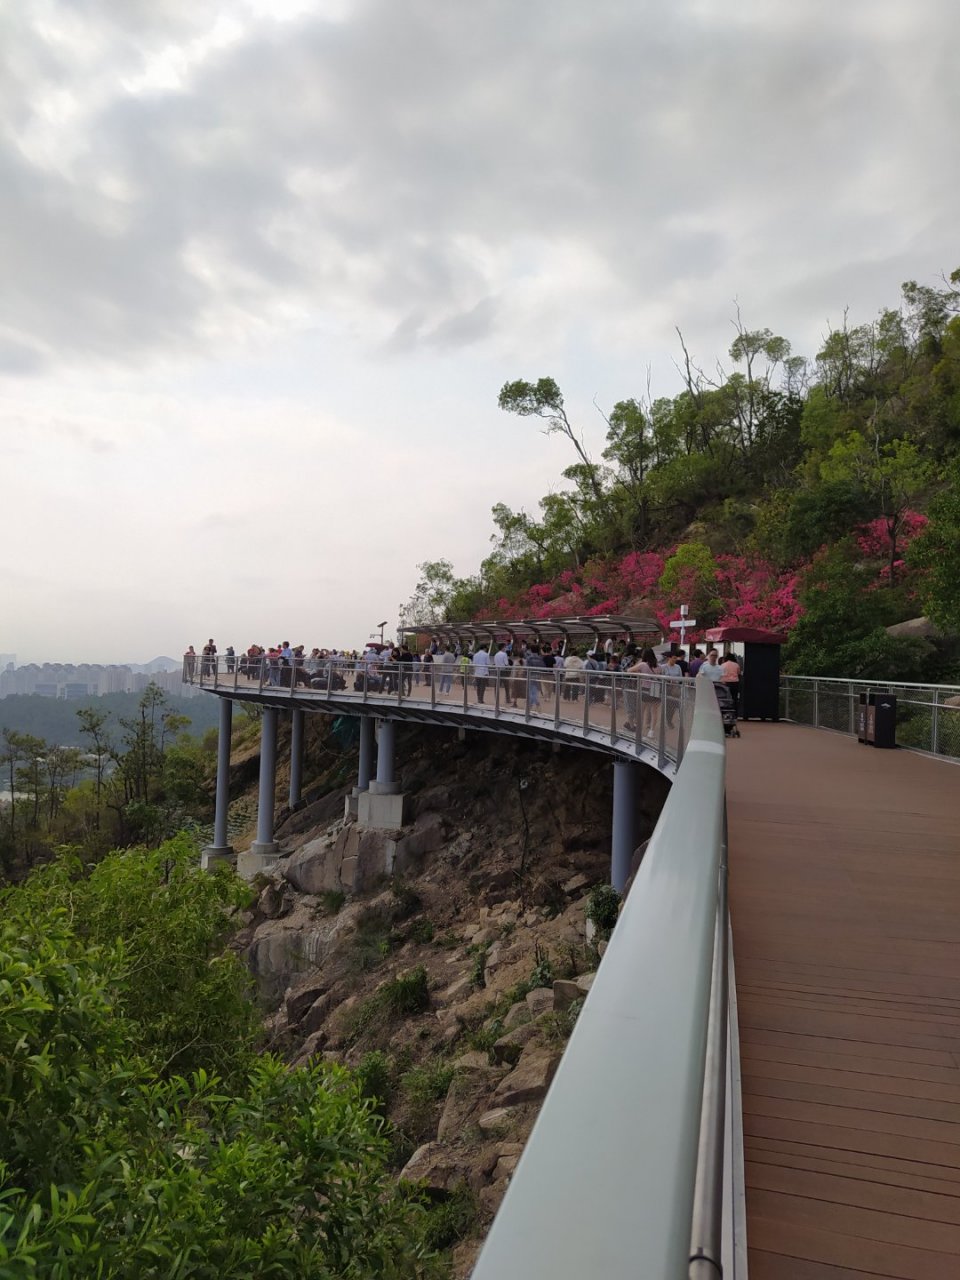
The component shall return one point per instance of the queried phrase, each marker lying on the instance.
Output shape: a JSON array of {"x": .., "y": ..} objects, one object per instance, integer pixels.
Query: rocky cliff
[{"x": 452, "y": 984}]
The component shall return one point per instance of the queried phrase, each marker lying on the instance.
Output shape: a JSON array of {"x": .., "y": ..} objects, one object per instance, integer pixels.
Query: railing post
[
  {"x": 556, "y": 700},
  {"x": 496, "y": 690},
  {"x": 680, "y": 713},
  {"x": 526, "y": 701},
  {"x": 935, "y": 723},
  {"x": 662, "y": 744},
  {"x": 216, "y": 671},
  {"x": 613, "y": 706},
  {"x": 816, "y": 704},
  {"x": 262, "y": 659},
  {"x": 586, "y": 700},
  {"x": 786, "y": 697},
  {"x": 466, "y": 687},
  {"x": 852, "y": 722}
]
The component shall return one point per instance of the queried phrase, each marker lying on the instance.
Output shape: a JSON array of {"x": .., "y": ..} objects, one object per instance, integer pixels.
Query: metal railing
[
  {"x": 928, "y": 715},
  {"x": 622, "y": 1174},
  {"x": 642, "y": 715}
]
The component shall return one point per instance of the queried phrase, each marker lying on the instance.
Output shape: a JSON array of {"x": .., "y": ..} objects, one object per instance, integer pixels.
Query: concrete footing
[
  {"x": 381, "y": 811},
  {"x": 257, "y": 858},
  {"x": 214, "y": 854}
]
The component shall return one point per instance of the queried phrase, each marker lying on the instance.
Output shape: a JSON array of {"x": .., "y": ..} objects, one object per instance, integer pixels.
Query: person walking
[
  {"x": 710, "y": 670},
  {"x": 730, "y": 677}
]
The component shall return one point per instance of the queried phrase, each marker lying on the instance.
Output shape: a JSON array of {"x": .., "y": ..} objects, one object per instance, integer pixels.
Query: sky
[{"x": 267, "y": 263}]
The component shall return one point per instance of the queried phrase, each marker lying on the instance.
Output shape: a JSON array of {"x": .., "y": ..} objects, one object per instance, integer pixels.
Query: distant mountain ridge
[{"x": 158, "y": 664}]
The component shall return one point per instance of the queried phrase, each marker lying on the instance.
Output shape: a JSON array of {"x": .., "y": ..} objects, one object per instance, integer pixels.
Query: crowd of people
[{"x": 523, "y": 670}]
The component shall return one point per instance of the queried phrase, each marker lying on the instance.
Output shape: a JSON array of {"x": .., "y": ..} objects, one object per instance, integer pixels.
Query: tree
[
  {"x": 692, "y": 576},
  {"x": 937, "y": 553},
  {"x": 894, "y": 474},
  {"x": 543, "y": 399},
  {"x": 93, "y": 728}
]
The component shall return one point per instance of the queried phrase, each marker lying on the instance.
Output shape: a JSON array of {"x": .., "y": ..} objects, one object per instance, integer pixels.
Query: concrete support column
[
  {"x": 220, "y": 850},
  {"x": 265, "y": 843},
  {"x": 296, "y": 757},
  {"x": 624, "y": 840},
  {"x": 386, "y": 782},
  {"x": 366, "y": 754}
]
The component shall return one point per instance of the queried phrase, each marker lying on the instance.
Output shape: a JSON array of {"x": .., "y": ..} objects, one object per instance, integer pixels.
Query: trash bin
[
  {"x": 877, "y": 720},
  {"x": 884, "y": 719}
]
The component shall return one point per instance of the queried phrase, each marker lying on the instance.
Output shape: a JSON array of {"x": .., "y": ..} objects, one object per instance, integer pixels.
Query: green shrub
[
  {"x": 402, "y": 997},
  {"x": 452, "y": 1219},
  {"x": 603, "y": 907},
  {"x": 115, "y": 1166},
  {"x": 421, "y": 931},
  {"x": 331, "y": 901},
  {"x": 376, "y": 1075}
]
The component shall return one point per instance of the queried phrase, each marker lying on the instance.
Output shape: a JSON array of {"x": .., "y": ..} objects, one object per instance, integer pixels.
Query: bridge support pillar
[
  {"x": 263, "y": 852},
  {"x": 296, "y": 758},
  {"x": 351, "y": 802},
  {"x": 220, "y": 850},
  {"x": 624, "y": 840},
  {"x": 382, "y": 805}
]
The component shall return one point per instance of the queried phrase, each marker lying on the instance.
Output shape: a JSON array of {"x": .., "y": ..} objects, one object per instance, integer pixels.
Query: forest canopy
[{"x": 813, "y": 495}]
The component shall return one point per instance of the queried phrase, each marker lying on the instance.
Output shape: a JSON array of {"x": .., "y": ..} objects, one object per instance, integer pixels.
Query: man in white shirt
[{"x": 481, "y": 671}]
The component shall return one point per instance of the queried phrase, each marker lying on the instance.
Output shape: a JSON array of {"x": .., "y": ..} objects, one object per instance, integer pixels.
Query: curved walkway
[
  {"x": 845, "y": 905},
  {"x": 655, "y": 737}
]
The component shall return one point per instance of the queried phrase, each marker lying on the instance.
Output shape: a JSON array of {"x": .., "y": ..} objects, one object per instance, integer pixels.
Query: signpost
[{"x": 682, "y": 624}]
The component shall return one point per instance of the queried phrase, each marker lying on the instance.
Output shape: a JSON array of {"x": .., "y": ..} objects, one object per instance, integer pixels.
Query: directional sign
[{"x": 682, "y": 623}]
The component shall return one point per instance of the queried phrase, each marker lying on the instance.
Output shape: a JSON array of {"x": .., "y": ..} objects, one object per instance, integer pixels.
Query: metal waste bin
[{"x": 877, "y": 720}]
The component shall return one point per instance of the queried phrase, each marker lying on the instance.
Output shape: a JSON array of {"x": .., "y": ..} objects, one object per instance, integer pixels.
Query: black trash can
[{"x": 884, "y": 719}]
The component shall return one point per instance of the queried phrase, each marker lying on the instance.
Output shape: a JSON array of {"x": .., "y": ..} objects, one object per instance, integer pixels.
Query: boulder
[
  {"x": 471, "y": 1059},
  {"x": 497, "y": 1120},
  {"x": 505, "y": 1167},
  {"x": 408, "y": 853},
  {"x": 315, "y": 868},
  {"x": 301, "y": 996},
  {"x": 271, "y": 902},
  {"x": 565, "y": 992},
  {"x": 318, "y": 1013},
  {"x": 311, "y": 1048},
  {"x": 914, "y": 629},
  {"x": 466, "y": 1099},
  {"x": 517, "y": 1015},
  {"x": 436, "y": 1168},
  {"x": 540, "y": 1000},
  {"x": 576, "y": 884},
  {"x": 584, "y": 983},
  {"x": 529, "y": 1080},
  {"x": 510, "y": 1046}
]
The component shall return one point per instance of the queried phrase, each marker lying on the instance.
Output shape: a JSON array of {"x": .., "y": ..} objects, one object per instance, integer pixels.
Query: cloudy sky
[{"x": 266, "y": 264}]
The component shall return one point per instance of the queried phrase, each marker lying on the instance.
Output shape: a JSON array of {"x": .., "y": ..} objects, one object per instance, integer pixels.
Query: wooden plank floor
[{"x": 845, "y": 902}]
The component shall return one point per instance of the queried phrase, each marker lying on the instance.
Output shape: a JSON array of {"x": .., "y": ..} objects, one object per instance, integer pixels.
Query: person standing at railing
[
  {"x": 190, "y": 662},
  {"x": 501, "y": 662},
  {"x": 210, "y": 658},
  {"x": 406, "y": 660},
  {"x": 445, "y": 658},
  {"x": 426, "y": 663},
  {"x": 231, "y": 656}
]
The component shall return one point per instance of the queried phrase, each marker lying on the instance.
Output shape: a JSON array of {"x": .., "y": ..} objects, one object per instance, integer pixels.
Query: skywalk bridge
[{"x": 808, "y": 1127}]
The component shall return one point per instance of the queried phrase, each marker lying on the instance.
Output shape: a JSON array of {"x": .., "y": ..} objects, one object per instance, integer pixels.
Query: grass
[
  {"x": 452, "y": 1219},
  {"x": 402, "y": 997}
]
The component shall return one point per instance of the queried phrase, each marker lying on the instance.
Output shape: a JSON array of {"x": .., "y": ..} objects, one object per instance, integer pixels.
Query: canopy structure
[
  {"x": 583, "y": 627},
  {"x": 749, "y": 635}
]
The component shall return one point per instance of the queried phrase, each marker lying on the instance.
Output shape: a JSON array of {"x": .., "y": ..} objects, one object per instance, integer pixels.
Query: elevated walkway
[{"x": 845, "y": 907}]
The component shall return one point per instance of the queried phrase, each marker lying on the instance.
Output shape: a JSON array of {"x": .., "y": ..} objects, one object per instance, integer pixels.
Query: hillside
[
  {"x": 451, "y": 989},
  {"x": 820, "y": 496}
]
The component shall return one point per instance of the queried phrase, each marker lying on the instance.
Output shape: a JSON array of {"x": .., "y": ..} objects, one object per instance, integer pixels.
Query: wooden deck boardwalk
[{"x": 845, "y": 903}]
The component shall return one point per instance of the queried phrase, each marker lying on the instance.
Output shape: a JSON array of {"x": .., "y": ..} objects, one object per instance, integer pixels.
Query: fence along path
[{"x": 845, "y": 906}]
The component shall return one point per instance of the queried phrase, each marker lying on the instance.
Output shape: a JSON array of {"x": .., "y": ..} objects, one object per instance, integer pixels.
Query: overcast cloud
[{"x": 267, "y": 264}]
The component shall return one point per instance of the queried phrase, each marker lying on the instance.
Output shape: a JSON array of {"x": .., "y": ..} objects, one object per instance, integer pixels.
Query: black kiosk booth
[{"x": 760, "y": 676}]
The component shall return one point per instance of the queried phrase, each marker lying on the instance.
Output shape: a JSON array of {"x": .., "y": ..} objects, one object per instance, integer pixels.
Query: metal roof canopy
[{"x": 582, "y": 627}]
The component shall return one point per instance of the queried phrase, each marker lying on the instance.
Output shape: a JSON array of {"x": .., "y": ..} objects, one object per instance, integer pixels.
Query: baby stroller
[{"x": 728, "y": 712}]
